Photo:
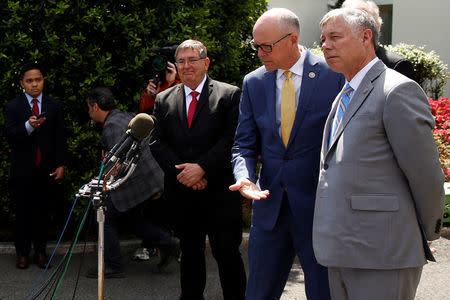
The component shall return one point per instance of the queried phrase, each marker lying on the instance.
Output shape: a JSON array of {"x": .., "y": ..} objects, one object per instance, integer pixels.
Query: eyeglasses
[
  {"x": 190, "y": 61},
  {"x": 264, "y": 47}
]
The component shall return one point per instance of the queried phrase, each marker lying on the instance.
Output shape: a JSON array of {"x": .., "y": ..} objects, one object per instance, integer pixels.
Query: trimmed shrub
[
  {"x": 88, "y": 43},
  {"x": 431, "y": 72}
]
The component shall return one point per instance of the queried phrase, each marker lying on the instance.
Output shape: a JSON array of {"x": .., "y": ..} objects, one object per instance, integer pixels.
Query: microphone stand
[
  {"x": 101, "y": 251},
  {"x": 97, "y": 191}
]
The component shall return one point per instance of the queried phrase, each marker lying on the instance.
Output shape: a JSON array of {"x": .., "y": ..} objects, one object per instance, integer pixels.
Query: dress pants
[
  {"x": 368, "y": 284},
  {"x": 134, "y": 223},
  {"x": 225, "y": 242},
  {"x": 271, "y": 254},
  {"x": 31, "y": 197}
]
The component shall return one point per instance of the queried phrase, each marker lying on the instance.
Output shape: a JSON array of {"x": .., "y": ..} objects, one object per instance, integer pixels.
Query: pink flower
[{"x": 441, "y": 133}]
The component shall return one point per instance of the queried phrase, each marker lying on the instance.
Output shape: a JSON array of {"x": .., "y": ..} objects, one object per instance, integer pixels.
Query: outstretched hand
[{"x": 249, "y": 190}]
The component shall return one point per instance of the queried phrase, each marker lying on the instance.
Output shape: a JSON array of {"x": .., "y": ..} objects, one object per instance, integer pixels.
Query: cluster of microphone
[
  {"x": 122, "y": 159},
  {"x": 128, "y": 147}
]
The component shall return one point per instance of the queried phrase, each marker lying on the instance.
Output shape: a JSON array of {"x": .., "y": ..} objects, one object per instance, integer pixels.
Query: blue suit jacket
[{"x": 296, "y": 167}]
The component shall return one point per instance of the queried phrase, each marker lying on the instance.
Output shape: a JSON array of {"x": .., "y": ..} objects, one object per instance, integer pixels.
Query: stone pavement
[{"x": 141, "y": 283}]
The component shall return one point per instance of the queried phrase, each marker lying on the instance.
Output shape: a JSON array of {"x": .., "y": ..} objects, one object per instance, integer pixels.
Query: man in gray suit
[{"x": 380, "y": 191}]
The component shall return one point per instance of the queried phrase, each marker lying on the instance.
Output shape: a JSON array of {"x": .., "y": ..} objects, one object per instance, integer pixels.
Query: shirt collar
[
  {"x": 357, "y": 79},
  {"x": 106, "y": 117},
  {"x": 297, "y": 68},
  {"x": 30, "y": 99},
  {"x": 188, "y": 90}
]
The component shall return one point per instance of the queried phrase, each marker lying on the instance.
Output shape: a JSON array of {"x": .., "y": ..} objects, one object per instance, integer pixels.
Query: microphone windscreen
[{"x": 141, "y": 125}]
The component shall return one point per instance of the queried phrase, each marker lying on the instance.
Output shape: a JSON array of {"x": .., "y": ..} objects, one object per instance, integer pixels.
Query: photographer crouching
[{"x": 124, "y": 204}]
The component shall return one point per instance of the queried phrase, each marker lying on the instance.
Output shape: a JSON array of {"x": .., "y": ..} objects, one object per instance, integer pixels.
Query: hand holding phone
[{"x": 41, "y": 115}]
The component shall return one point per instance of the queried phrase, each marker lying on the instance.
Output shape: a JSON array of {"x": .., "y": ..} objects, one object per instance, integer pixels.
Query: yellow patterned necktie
[{"x": 287, "y": 107}]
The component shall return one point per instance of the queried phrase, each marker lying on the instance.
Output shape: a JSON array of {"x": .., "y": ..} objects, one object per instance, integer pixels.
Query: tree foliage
[{"x": 88, "y": 43}]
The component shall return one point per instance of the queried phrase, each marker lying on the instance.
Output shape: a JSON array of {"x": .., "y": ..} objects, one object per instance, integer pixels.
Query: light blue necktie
[{"x": 343, "y": 102}]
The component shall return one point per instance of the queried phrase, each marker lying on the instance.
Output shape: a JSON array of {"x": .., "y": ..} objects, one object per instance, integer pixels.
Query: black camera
[{"x": 159, "y": 62}]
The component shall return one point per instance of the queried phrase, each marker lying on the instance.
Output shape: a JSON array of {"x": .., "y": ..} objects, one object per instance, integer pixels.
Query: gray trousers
[{"x": 369, "y": 284}]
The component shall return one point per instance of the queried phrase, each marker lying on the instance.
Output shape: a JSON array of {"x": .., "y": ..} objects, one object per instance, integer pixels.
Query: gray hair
[
  {"x": 287, "y": 21},
  {"x": 356, "y": 19},
  {"x": 367, "y": 5},
  {"x": 194, "y": 45}
]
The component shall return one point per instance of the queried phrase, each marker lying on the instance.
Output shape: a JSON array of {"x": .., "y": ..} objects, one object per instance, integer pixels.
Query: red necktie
[
  {"x": 192, "y": 107},
  {"x": 35, "y": 112}
]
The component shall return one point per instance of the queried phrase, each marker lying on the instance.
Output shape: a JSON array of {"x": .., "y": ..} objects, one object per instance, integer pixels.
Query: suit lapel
[
  {"x": 25, "y": 106},
  {"x": 271, "y": 99},
  {"x": 327, "y": 128},
  {"x": 181, "y": 104},
  {"x": 203, "y": 99},
  {"x": 44, "y": 105},
  {"x": 306, "y": 92},
  {"x": 358, "y": 98}
]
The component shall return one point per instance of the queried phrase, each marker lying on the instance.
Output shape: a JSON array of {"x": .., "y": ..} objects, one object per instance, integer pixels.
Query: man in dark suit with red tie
[
  {"x": 34, "y": 127},
  {"x": 191, "y": 141}
]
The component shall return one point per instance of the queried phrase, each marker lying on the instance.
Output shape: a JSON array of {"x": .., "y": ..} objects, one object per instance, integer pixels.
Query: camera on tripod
[{"x": 159, "y": 62}]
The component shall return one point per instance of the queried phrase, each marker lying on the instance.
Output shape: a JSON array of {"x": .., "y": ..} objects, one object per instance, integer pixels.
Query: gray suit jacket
[
  {"x": 380, "y": 178},
  {"x": 147, "y": 179}
]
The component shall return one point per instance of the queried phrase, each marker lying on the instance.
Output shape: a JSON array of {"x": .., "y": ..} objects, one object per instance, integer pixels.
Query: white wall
[
  {"x": 424, "y": 23},
  {"x": 418, "y": 22},
  {"x": 310, "y": 12}
]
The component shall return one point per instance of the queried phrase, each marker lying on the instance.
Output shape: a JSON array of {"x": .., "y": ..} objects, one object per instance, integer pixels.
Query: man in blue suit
[{"x": 288, "y": 142}]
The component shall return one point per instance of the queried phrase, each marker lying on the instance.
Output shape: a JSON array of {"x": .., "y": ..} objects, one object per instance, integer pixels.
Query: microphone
[{"x": 140, "y": 127}]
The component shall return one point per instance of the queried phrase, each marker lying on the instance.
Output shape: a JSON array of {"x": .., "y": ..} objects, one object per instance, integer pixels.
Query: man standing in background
[
  {"x": 34, "y": 126},
  {"x": 192, "y": 140}
]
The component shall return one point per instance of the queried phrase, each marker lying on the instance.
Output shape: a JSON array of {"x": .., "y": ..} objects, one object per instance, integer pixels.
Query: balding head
[
  {"x": 277, "y": 31},
  {"x": 284, "y": 20}
]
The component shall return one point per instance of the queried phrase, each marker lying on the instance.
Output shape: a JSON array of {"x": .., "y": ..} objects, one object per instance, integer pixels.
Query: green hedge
[
  {"x": 431, "y": 72},
  {"x": 87, "y": 43}
]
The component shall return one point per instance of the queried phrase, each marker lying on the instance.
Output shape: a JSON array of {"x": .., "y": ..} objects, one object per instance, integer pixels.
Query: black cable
[
  {"x": 86, "y": 234},
  {"x": 58, "y": 268}
]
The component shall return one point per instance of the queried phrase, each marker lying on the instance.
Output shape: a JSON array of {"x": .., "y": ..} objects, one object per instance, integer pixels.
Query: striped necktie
[{"x": 343, "y": 102}]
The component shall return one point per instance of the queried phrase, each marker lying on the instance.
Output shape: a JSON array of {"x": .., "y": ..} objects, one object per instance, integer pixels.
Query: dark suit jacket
[
  {"x": 293, "y": 169},
  {"x": 208, "y": 142},
  {"x": 396, "y": 61},
  {"x": 50, "y": 138},
  {"x": 146, "y": 180}
]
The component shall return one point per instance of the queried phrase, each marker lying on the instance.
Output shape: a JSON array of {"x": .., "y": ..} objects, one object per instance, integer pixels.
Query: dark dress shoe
[
  {"x": 41, "y": 260},
  {"x": 109, "y": 273},
  {"x": 22, "y": 262},
  {"x": 168, "y": 254}
]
